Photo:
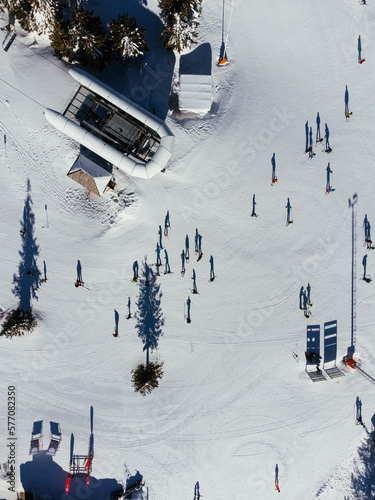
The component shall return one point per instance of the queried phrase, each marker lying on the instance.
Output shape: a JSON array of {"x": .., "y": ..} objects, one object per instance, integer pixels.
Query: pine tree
[
  {"x": 43, "y": 15},
  {"x": 33, "y": 15},
  {"x": 180, "y": 23},
  {"x": 89, "y": 39},
  {"x": 179, "y": 34},
  {"x": 126, "y": 39},
  {"x": 60, "y": 39},
  {"x": 23, "y": 12}
]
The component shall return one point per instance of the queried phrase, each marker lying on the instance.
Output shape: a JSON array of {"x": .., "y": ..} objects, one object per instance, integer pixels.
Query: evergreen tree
[
  {"x": 44, "y": 13},
  {"x": 126, "y": 39},
  {"x": 33, "y": 15},
  {"x": 60, "y": 39},
  {"x": 23, "y": 12},
  {"x": 180, "y": 22},
  {"x": 178, "y": 33},
  {"x": 89, "y": 39}
]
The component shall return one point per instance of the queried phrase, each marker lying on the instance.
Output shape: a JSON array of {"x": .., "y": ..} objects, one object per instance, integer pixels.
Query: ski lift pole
[{"x": 223, "y": 59}]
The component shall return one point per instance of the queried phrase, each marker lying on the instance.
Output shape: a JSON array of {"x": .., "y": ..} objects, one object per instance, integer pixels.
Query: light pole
[{"x": 351, "y": 348}]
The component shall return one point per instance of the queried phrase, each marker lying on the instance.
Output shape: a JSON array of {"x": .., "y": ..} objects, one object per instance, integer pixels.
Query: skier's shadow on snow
[
  {"x": 358, "y": 406},
  {"x": 46, "y": 479},
  {"x": 367, "y": 227},
  {"x": 79, "y": 271},
  {"x": 197, "y": 494},
  {"x": 273, "y": 163},
  {"x": 317, "y": 138},
  {"x": 359, "y": 49},
  {"x": 364, "y": 263},
  {"x": 26, "y": 282},
  {"x": 346, "y": 101},
  {"x": 117, "y": 320},
  {"x": 277, "y": 475},
  {"x": 326, "y": 137}
]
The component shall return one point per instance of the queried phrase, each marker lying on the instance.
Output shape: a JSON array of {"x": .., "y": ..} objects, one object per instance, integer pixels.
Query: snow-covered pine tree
[
  {"x": 33, "y": 15},
  {"x": 89, "y": 39},
  {"x": 22, "y": 11},
  {"x": 60, "y": 39},
  {"x": 178, "y": 33},
  {"x": 180, "y": 19},
  {"x": 44, "y": 13},
  {"x": 126, "y": 39}
]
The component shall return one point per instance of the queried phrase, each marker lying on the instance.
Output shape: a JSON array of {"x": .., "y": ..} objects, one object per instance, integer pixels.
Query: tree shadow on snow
[
  {"x": 27, "y": 280},
  {"x": 149, "y": 315},
  {"x": 146, "y": 80},
  {"x": 46, "y": 479},
  {"x": 363, "y": 476},
  {"x": 198, "y": 61}
]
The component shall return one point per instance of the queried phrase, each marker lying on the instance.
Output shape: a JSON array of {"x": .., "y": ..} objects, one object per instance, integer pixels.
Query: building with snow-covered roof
[
  {"x": 195, "y": 94},
  {"x": 91, "y": 176},
  {"x": 115, "y": 128}
]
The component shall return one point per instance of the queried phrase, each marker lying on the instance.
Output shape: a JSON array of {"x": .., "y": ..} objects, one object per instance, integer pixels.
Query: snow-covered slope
[{"x": 234, "y": 403}]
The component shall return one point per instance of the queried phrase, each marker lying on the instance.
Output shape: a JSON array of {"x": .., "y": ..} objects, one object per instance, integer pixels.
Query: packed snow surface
[{"x": 234, "y": 411}]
